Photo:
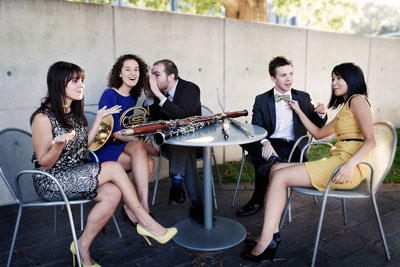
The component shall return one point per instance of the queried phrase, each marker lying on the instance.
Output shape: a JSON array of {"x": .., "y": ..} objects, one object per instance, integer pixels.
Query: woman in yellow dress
[{"x": 353, "y": 126}]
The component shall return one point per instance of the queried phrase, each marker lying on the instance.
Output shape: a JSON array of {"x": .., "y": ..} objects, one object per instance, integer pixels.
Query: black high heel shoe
[
  {"x": 267, "y": 254},
  {"x": 252, "y": 243},
  {"x": 126, "y": 217}
]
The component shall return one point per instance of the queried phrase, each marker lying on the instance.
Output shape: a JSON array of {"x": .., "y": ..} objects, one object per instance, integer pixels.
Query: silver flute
[{"x": 240, "y": 126}]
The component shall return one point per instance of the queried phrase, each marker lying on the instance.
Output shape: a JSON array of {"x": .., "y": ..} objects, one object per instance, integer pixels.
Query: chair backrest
[
  {"x": 383, "y": 154},
  {"x": 205, "y": 111},
  {"x": 90, "y": 116},
  {"x": 16, "y": 152}
]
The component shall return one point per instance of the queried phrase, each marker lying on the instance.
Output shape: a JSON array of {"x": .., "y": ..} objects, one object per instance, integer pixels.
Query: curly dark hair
[{"x": 114, "y": 81}]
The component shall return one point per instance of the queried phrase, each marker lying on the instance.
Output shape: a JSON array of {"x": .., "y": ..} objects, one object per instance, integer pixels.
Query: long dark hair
[
  {"x": 114, "y": 81},
  {"x": 354, "y": 77},
  {"x": 58, "y": 76}
]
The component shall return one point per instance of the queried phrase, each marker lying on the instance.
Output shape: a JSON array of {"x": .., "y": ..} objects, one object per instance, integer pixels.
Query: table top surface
[{"x": 212, "y": 136}]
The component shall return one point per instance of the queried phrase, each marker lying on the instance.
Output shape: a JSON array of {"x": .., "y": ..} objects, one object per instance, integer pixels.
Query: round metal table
[{"x": 223, "y": 232}]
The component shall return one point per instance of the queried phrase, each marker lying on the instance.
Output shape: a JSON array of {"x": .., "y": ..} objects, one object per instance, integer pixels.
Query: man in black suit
[
  {"x": 272, "y": 112},
  {"x": 170, "y": 97}
]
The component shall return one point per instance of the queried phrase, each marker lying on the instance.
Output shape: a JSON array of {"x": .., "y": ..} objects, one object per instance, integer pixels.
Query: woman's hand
[
  {"x": 320, "y": 108},
  {"x": 64, "y": 138},
  {"x": 103, "y": 112},
  {"x": 151, "y": 150},
  {"x": 344, "y": 174},
  {"x": 294, "y": 105}
]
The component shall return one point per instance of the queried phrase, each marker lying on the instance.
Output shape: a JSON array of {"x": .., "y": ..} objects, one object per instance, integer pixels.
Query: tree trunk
[{"x": 253, "y": 10}]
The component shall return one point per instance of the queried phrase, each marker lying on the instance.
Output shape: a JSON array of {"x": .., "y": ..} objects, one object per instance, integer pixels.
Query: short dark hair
[
  {"x": 170, "y": 67},
  {"x": 354, "y": 77},
  {"x": 58, "y": 77},
  {"x": 276, "y": 62},
  {"x": 115, "y": 81}
]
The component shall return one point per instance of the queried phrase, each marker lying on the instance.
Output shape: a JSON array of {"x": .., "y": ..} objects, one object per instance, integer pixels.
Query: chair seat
[
  {"x": 362, "y": 191},
  {"x": 39, "y": 202}
]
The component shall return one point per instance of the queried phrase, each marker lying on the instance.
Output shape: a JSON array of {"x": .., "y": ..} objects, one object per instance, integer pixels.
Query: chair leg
[
  {"x": 55, "y": 219},
  {"x": 82, "y": 223},
  {"x": 213, "y": 189},
  {"x": 378, "y": 220},
  {"x": 117, "y": 226},
  {"x": 157, "y": 178},
  {"x": 14, "y": 235},
  {"x": 321, "y": 218},
  {"x": 75, "y": 240},
  {"x": 285, "y": 211},
  {"x": 216, "y": 168},
  {"x": 238, "y": 180},
  {"x": 289, "y": 206},
  {"x": 315, "y": 200},
  {"x": 344, "y": 211}
]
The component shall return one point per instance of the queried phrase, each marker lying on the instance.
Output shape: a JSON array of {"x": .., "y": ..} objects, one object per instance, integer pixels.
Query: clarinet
[{"x": 161, "y": 136}]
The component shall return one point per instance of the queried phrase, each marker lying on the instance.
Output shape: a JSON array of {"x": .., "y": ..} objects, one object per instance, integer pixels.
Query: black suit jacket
[
  {"x": 264, "y": 113},
  {"x": 186, "y": 103}
]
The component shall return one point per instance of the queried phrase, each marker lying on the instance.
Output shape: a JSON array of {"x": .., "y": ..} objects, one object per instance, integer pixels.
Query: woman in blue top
[{"x": 125, "y": 81}]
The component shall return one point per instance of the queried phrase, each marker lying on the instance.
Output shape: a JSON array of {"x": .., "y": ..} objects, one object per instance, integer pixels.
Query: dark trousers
[{"x": 283, "y": 149}]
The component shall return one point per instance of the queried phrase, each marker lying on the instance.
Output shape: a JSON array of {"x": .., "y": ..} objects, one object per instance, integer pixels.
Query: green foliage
[
  {"x": 318, "y": 14},
  {"x": 377, "y": 19},
  {"x": 393, "y": 175},
  {"x": 202, "y": 7}
]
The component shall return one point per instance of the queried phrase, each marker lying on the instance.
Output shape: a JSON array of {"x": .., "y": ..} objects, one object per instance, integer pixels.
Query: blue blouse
[{"x": 110, "y": 98}]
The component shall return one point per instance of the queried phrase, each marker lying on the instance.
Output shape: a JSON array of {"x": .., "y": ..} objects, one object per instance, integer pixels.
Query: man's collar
[
  {"x": 172, "y": 91},
  {"x": 278, "y": 93}
]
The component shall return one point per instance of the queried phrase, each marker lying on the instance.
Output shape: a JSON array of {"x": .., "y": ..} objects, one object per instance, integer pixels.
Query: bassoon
[{"x": 168, "y": 124}]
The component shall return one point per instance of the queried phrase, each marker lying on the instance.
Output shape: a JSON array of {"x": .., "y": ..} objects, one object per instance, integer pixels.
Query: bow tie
[{"x": 282, "y": 97}]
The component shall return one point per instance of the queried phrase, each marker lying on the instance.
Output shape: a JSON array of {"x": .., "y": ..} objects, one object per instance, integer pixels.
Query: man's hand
[
  {"x": 147, "y": 90},
  {"x": 154, "y": 87},
  {"x": 267, "y": 150},
  {"x": 320, "y": 108}
]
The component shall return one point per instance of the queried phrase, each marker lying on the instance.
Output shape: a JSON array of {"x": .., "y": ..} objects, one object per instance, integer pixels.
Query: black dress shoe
[
  {"x": 249, "y": 209},
  {"x": 126, "y": 217},
  {"x": 250, "y": 243},
  {"x": 197, "y": 213},
  {"x": 264, "y": 169},
  {"x": 176, "y": 195},
  {"x": 267, "y": 254}
]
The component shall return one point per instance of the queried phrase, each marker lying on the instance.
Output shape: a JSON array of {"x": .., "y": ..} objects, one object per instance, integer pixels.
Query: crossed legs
[
  {"x": 113, "y": 184},
  {"x": 282, "y": 175}
]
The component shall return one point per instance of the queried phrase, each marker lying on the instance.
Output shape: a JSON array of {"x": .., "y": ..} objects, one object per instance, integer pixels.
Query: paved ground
[{"x": 357, "y": 244}]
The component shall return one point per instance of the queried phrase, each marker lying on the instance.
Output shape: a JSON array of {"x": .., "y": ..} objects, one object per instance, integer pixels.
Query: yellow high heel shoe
[
  {"x": 171, "y": 232},
  {"x": 73, "y": 251}
]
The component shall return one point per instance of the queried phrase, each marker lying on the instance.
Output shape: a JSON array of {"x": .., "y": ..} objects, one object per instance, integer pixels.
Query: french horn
[{"x": 131, "y": 117}]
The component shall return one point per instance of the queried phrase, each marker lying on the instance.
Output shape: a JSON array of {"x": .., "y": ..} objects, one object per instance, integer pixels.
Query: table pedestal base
[{"x": 225, "y": 233}]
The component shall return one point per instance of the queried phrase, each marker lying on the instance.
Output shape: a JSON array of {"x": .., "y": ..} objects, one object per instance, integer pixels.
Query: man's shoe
[
  {"x": 264, "y": 169},
  {"x": 197, "y": 213},
  {"x": 176, "y": 195},
  {"x": 249, "y": 209}
]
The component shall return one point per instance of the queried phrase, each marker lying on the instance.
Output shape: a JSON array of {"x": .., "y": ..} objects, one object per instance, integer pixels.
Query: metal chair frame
[
  {"x": 17, "y": 194},
  {"x": 250, "y": 159},
  {"x": 204, "y": 109},
  {"x": 362, "y": 191}
]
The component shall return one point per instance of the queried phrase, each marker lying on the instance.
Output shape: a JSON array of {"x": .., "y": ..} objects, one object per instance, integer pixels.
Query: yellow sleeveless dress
[{"x": 346, "y": 127}]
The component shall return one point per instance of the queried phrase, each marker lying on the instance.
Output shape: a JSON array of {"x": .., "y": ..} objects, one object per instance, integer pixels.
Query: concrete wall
[{"x": 231, "y": 55}]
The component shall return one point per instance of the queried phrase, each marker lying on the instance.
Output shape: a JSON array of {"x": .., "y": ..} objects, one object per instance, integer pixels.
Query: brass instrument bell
[{"x": 103, "y": 133}]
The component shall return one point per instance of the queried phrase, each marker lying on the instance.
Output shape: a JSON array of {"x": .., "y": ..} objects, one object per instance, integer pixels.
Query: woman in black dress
[{"x": 60, "y": 138}]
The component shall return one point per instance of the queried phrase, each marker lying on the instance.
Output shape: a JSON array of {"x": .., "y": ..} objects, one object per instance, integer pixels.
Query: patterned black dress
[{"x": 76, "y": 174}]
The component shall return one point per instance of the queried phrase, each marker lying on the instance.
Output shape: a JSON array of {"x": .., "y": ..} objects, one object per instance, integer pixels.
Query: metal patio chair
[
  {"x": 381, "y": 160},
  {"x": 16, "y": 171}
]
